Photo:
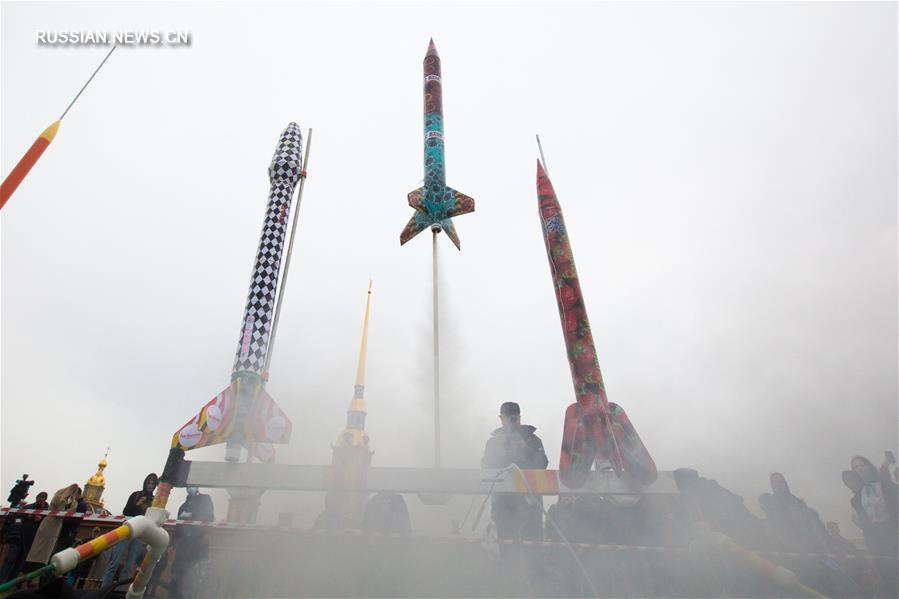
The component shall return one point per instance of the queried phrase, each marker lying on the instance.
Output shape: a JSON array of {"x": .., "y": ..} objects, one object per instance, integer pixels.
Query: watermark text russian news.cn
[{"x": 128, "y": 37}]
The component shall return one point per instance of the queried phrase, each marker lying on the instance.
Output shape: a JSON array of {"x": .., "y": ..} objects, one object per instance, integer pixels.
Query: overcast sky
[{"x": 727, "y": 172}]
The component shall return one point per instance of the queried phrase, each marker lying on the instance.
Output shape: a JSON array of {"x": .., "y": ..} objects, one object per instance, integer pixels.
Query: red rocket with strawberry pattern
[{"x": 596, "y": 431}]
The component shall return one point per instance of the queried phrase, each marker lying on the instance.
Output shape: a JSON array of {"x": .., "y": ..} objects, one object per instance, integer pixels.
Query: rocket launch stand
[{"x": 456, "y": 481}]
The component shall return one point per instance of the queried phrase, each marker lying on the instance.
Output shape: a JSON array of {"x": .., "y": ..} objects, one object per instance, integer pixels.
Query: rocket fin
[
  {"x": 637, "y": 461},
  {"x": 413, "y": 228},
  {"x": 264, "y": 452},
  {"x": 213, "y": 424},
  {"x": 463, "y": 203},
  {"x": 450, "y": 231},
  {"x": 415, "y": 198},
  {"x": 266, "y": 423}
]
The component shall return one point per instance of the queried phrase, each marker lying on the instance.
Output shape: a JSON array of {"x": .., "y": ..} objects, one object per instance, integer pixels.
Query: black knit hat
[{"x": 510, "y": 408}]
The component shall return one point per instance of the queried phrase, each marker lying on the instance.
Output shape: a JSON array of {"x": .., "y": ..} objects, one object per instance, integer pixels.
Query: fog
[{"x": 727, "y": 172}]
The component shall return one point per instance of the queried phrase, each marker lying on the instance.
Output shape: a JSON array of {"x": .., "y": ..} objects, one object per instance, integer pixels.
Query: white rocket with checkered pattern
[
  {"x": 244, "y": 415},
  {"x": 284, "y": 174}
]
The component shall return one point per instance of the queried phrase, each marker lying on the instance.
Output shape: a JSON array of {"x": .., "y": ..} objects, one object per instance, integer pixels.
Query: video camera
[{"x": 20, "y": 491}]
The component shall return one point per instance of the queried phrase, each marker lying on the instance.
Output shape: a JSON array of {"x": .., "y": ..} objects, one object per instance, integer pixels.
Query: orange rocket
[
  {"x": 12, "y": 180},
  {"x": 19, "y": 172}
]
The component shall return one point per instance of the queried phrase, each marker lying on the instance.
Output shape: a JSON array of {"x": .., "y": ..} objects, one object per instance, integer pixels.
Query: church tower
[
  {"x": 93, "y": 489},
  {"x": 353, "y": 436},
  {"x": 351, "y": 456}
]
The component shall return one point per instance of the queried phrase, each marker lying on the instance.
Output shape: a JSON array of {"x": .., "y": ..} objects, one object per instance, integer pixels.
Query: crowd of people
[
  {"x": 31, "y": 539},
  {"x": 789, "y": 525}
]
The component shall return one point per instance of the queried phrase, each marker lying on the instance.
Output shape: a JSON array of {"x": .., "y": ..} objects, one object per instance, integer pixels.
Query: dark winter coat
[
  {"x": 516, "y": 445},
  {"x": 197, "y": 507},
  {"x": 135, "y": 506},
  {"x": 792, "y": 524},
  {"x": 890, "y": 495},
  {"x": 387, "y": 513},
  {"x": 14, "y": 529},
  {"x": 516, "y": 516},
  {"x": 880, "y": 537},
  {"x": 70, "y": 527}
]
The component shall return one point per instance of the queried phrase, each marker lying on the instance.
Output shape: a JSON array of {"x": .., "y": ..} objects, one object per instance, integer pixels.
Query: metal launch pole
[
  {"x": 435, "y": 230},
  {"x": 80, "y": 91},
  {"x": 293, "y": 230},
  {"x": 542, "y": 159}
]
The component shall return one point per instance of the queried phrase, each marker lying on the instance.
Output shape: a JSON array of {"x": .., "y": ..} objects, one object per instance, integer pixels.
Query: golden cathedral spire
[
  {"x": 354, "y": 433},
  {"x": 360, "y": 369},
  {"x": 350, "y": 457}
]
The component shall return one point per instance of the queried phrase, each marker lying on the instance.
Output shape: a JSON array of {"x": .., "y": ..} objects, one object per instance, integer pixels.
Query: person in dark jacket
[
  {"x": 791, "y": 524},
  {"x": 14, "y": 539},
  {"x": 516, "y": 516},
  {"x": 127, "y": 552},
  {"x": 19, "y": 531},
  {"x": 837, "y": 543},
  {"x": 874, "y": 511},
  {"x": 876, "y": 503},
  {"x": 513, "y": 442},
  {"x": 702, "y": 499},
  {"x": 139, "y": 501},
  {"x": 197, "y": 507},
  {"x": 191, "y": 543},
  {"x": 386, "y": 513}
]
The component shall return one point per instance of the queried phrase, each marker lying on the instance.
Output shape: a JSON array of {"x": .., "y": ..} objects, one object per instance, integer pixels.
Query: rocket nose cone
[
  {"x": 432, "y": 49},
  {"x": 288, "y": 158},
  {"x": 540, "y": 171}
]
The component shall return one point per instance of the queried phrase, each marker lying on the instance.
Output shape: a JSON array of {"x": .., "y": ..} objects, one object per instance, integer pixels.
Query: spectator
[
  {"x": 330, "y": 518},
  {"x": 18, "y": 534},
  {"x": 127, "y": 552},
  {"x": 19, "y": 491},
  {"x": 516, "y": 516},
  {"x": 191, "y": 544},
  {"x": 40, "y": 502},
  {"x": 836, "y": 543},
  {"x": 875, "y": 503},
  {"x": 704, "y": 500},
  {"x": 47, "y": 533},
  {"x": 32, "y": 522},
  {"x": 890, "y": 465},
  {"x": 853, "y": 482},
  {"x": 386, "y": 513},
  {"x": 587, "y": 519},
  {"x": 790, "y": 522},
  {"x": 14, "y": 540},
  {"x": 70, "y": 527},
  {"x": 197, "y": 507}
]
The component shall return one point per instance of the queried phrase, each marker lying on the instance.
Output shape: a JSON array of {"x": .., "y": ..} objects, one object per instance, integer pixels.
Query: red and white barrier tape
[
  {"x": 61, "y": 514},
  {"x": 612, "y": 547},
  {"x": 88, "y": 517},
  {"x": 476, "y": 541}
]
